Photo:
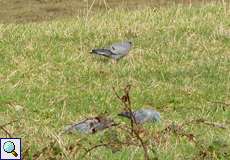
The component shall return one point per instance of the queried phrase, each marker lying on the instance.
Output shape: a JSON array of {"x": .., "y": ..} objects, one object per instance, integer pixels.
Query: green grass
[{"x": 180, "y": 62}]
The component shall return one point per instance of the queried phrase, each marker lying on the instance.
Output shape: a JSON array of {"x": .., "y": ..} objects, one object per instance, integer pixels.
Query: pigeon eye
[{"x": 94, "y": 130}]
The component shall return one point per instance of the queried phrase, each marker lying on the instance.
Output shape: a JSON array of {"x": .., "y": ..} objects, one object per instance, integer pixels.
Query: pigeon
[
  {"x": 115, "y": 51},
  {"x": 90, "y": 125},
  {"x": 143, "y": 115}
]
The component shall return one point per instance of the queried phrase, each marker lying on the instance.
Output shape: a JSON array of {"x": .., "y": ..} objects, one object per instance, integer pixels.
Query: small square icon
[{"x": 10, "y": 149}]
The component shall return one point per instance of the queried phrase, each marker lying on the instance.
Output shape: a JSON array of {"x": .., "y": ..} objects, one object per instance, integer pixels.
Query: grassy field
[
  {"x": 180, "y": 65},
  {"x": 23, "y": 11}
]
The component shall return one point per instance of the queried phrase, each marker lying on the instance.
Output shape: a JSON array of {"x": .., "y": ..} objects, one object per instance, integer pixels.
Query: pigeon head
[{"x": 131, "y": 43}]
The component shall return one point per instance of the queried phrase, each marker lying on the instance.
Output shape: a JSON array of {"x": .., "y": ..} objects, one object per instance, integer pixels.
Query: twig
[
  {"x": 6, "y": 124},
  {"x": 7, "y": 133},
  {"x": 223, "y": 104},
  {"x": 94, "y": 147},
  {"x": 125, "y": 99},
  {"x": 219, "y": 102},
  {"x": 143, "y": 145},
  {"x": 106, "y": 5},
  {"x": 116, "y": 93},
  {"x": 201, "y": 120},
  {"x": 127, "y": 89},
  {"x": 25, "y": 154}
]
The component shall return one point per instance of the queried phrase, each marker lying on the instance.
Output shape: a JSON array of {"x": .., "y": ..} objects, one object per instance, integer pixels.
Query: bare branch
[
  {"x": 6, "y": 124},
  {"x": 202, "y": 120},
  {"x": 2, "y": 127},
  {"x": 95, "y": 147},
  {"x": 125, "y": 99},
  {"x": 6, "y": 132},
  {"x": 219, "y": 102}
]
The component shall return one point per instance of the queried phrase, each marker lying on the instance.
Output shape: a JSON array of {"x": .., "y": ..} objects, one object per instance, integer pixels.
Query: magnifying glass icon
[{"x": 9, "y": 147}]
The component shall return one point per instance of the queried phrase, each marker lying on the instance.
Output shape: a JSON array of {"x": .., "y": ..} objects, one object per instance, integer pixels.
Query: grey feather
[
  {"x": 115, "y": 51},
  {"x": 90, "y": 125},
  {"x": 143, "y": 115}
]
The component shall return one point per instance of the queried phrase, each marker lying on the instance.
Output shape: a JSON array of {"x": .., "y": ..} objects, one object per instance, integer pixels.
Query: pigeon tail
[
  {"x": 103, "y": 52},
  {"x": 125, "y": 114}
]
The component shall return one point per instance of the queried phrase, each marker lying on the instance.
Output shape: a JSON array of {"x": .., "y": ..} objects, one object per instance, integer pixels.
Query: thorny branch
[
  {"x": 178, "y": 129},
  {"x": 133, "y": 131},
  {"x": 125, "y": 99}
]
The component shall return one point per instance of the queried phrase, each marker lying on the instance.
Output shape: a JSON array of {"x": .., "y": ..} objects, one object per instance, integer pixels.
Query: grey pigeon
[
  {"x": 90, "y": 125},
  {"x": 115, "y": 51},
  {"x": 143, "y": 115}
]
